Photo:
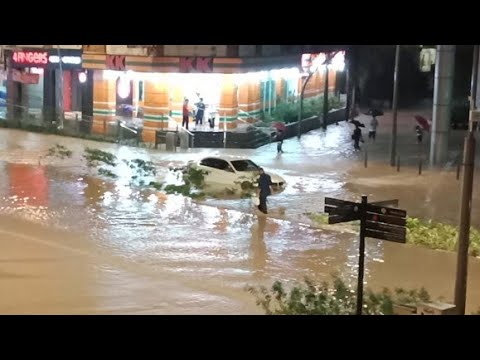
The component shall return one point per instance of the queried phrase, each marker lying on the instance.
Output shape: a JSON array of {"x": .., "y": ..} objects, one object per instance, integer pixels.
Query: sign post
[
  {"x": 376, "y": 221},
  {"x": 361, "y": 255}
]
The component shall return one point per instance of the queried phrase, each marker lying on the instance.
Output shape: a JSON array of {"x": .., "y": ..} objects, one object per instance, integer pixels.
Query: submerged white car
[{"x": 228, "y": 172}]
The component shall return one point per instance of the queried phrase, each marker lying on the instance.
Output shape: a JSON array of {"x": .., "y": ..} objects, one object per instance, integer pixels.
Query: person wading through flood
[
  {"x": 372, "y": 131},
  {"x": 357, "y": 137},
  {"x": 419, "y": 133},
  {"x": 280, "y": 138},
  {"x": 264, "y": 190},
  {"x": 186, "y": 114}
]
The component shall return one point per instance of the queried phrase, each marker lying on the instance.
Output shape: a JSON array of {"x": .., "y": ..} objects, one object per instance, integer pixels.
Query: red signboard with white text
[
  {"x": 24, "y": 78},
  {"x": 30, "y": 58},
  {"x": 51, "y": 59}
]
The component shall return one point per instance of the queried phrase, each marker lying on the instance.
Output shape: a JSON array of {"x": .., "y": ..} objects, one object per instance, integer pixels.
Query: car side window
[
  {"x": 208, "y": 163},
  {"x": 217, "y": 164},
  {"x": 224, "y": 165}
]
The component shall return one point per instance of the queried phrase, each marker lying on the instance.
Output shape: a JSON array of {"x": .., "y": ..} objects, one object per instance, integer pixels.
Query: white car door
[{"x": 219, "y": 171}]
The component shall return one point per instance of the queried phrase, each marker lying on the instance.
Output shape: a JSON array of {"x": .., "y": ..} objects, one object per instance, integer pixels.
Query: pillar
[
  {"x": 255, "y": 107},
  {"x": 332, "y": 80},
  {"x": 442, "y": 98},
  {"x": 249, "y": 100},
  {"x": 280, "y": 89},
  {"x": 244, "y": 101},
  {"x": 228, "y": 108},
  {"x": 156, "y": 108},
  {"x": 104, "y": 102},
  {"x": 177, "y": 97}
]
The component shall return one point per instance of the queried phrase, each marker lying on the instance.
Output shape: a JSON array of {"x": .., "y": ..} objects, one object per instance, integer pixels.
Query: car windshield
[{"x": 245, "y": 165}]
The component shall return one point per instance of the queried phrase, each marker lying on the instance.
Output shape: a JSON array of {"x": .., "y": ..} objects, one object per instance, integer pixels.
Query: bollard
[
  {"x": 366, "y": 158},
  {"x": 420, "y": 166},
  {"x": 458, "y": 171},
  {"x": 398, "y": 163}
]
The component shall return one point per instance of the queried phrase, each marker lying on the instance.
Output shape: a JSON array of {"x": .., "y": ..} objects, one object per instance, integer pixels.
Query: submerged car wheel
[{"x": 247, "y": 185}]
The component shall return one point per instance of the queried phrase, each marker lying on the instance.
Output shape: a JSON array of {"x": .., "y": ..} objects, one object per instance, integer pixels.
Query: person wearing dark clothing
[
  {"x": 357, "y": 137},
  {"x": 200, "y": 112},
  {"x": 280, "y": 137},
  {"x": 186, "y": 113},
  {"x": 419, "y": 132},
  {"x": 264, "y": 190}
]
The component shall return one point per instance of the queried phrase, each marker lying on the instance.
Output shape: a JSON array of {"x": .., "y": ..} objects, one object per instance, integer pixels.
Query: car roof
[{"x": 225, "y": 157}]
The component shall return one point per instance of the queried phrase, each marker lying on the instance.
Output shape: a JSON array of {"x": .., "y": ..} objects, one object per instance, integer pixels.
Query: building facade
[{"x": 149, "y": 83}]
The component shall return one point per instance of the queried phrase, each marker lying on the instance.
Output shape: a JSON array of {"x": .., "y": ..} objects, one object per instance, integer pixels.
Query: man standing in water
[
  {"x": 264, "y": 190},
  {"x": 200, "y": 112},
  {"x": 372, "y": 133},
  {"x": 186, "y": 113},
  {"x": 280, "y": 137}
]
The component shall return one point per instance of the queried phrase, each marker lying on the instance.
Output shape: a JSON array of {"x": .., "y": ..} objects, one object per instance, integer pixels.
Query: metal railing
[{"x": 191, "y": 136}]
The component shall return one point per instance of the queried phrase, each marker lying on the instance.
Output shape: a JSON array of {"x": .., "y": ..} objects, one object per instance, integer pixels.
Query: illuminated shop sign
[
  {"x": 30, "y": 58},
  {"x": 196, "y": 65},
  {"x": 70, "y": 59},
  {"x": 314, "y": 62}
]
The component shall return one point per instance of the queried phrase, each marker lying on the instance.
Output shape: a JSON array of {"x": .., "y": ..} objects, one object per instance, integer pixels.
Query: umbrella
[
  {"x": 357, "y": 123},
  {"x": 424, "y": 123},
  {"x": 374, "y": 112},
  {"x": 280, "y": 126}
]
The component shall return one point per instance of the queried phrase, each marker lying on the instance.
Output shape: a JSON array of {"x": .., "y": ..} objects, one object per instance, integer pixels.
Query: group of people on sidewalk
[{"x": 372, "y": 132}]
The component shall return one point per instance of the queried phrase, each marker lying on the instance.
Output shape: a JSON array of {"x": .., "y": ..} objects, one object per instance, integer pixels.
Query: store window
[
  {"x": 141, "y": 91},
  {"x": 3, "y": 95}
]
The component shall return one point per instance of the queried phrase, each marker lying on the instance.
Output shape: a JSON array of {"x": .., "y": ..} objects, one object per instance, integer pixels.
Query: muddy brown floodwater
[{"x": 71, "y": 242}]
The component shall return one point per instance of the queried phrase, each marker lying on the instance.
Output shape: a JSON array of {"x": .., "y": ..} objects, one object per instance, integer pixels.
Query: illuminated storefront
[
  {"x": 45, "y": 82},
  {"x": 153, "y": 89}
]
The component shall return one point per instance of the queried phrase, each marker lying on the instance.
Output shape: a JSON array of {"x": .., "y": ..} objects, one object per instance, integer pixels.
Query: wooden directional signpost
[{"x": 377, "y": 220}]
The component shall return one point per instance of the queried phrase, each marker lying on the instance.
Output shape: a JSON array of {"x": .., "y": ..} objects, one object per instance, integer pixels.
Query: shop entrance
[{"x": 201, "y": 86}]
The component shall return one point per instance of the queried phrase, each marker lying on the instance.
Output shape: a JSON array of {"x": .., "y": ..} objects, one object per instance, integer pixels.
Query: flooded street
[{"x": 72, "y": 243}]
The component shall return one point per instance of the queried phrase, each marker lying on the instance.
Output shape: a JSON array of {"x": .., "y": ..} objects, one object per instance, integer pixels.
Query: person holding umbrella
[
  {"x": 357, "y": 134},
  {"x": 422, "y": 124}
]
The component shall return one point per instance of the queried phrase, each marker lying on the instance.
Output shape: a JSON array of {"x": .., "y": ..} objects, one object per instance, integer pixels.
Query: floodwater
[{"x": 73, "y": 243}]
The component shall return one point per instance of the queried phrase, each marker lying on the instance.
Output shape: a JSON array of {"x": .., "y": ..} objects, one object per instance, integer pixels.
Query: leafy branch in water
[
  {"x": 141, "y": 167},
  {"x": 105, "y": 172},
  {"x": 337, "y": 299},
  {"x": 193, "y": 183},
  {"x": 58, "y": 151},
  {"x": 95, "y": 157}
]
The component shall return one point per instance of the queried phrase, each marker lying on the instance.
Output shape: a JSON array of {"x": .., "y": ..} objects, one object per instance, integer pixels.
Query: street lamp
[
  {"x": 61, "y": 93},
  {"x": 311, "y": 63},
  {"x": 393, "y": 146},
  {"x": 467, "y": 189}
]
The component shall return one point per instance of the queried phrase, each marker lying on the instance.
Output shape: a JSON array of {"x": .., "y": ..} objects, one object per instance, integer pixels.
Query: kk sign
[
  {"x": 116, "y": 62},
  {"x": 196, "y": 65}
]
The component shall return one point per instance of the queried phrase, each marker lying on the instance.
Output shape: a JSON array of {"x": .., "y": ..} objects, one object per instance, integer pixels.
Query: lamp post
[
  {"x": 393, "y": 146},
  {"x": 61, "y": 90},
  {"x": 300, "y": 107},
  {"x": 466, "y": 201}
]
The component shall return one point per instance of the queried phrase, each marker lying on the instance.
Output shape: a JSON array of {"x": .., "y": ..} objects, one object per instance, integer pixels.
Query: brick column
[
  {"x": 228, "y": 107},
  {"x": 104, "y": 102},
  {"x": 156, "y": 108}
]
